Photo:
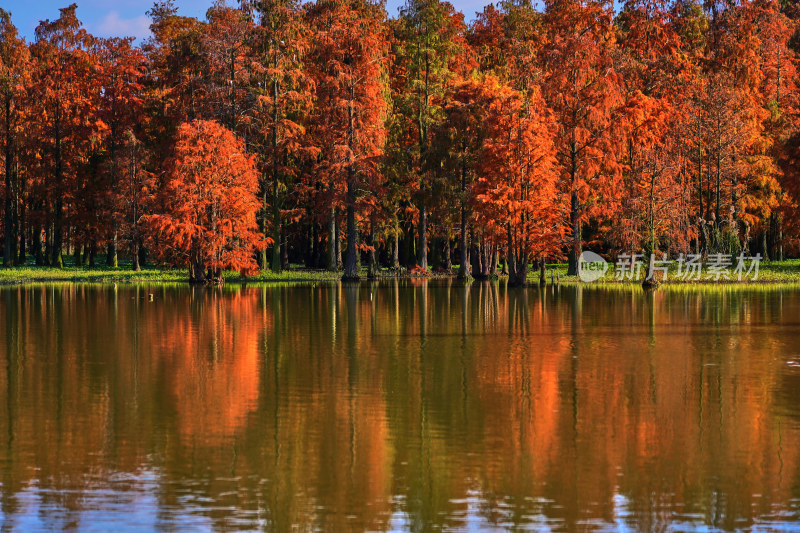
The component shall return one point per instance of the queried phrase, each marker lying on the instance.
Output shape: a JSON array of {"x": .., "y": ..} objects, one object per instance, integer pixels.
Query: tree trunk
[
  {"x": 332, "y": 241},
  {"x": 396, "y": 245},
  {"x": 111, "y": 254},
  {"x": 284, "y": 249},
  {"x": 48, "y": 246},
  {"x": 338, "y": 244},
  {"x": 448, "y": 262},
  {"x": 9, "y": 250},
  {"x": 275, "y": 264},
  {"x": 575, "y": 223},
  {"x": 520, "y": 276},
  {"x": 92, "y": 252},
  {"x": 263, "y": 255},
  {"x": 518, "y": 270},
  {"x": 58, "y": 223},
  {"x": 436, "y": 253},
  {"x": 57, "y": 243},
  {"x": 37, "y": 246},
  {"x": 23, "y": 231},
  {"x": 372, "y": 266},
  {"x": 474, "y": 259},
  {"x": 311, "y": 248},
  {"x": 409, "y": 250},
  {"x": 510, "y": 261},
  {"x": 196, "y": 269},
  {"x": 463, "y": 262},
  {"x": 422, "y": 260},
  {"x": 136, "y": 266},
  {"x": 483, "y": 260},
  {"x": 350, "y": 265}
]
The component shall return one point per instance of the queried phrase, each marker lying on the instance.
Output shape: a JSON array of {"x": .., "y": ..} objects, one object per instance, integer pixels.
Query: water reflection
[{"x": 398, "y": 405}]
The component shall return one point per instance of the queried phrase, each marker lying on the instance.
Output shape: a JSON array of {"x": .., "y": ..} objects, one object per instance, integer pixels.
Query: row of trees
[{"x": 327, "y": 133}]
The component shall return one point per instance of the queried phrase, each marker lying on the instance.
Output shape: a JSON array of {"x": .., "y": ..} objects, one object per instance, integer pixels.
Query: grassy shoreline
[{"x": 770, "y": 272}]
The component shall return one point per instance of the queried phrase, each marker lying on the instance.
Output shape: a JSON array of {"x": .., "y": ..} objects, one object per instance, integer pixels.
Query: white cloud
[{"x": 115, "y": 26}]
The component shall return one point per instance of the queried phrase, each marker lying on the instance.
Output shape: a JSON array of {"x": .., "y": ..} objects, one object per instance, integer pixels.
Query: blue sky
[{"x": 108, "y": 18}]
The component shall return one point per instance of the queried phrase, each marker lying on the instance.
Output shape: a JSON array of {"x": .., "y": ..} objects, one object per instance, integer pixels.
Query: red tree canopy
[
  {"x": 211, "y": 203},
  {"x": 516, "y": 188}
]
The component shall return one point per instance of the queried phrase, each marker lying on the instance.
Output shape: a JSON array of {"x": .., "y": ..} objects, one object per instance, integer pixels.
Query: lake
[{"x": 399, "y": 405}]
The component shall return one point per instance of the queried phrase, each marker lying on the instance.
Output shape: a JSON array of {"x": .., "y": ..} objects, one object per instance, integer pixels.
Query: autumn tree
[
  {"x": 776, "y": 94},
  {"x": 349, "y": 65},
  {"x": 14, "y": 79},
  {"x": 133, "y": 194},
  {"x": 121, "y": 106},
  {"x": 432, "y": 47},
  {"x": 283, "y": 93},
  {"x": 488, "y": 37},
  {"x": 582, "y": 87},
  {"x": 516, "y": 188},
  {"x": 225, "y": 49},
  {"x": 66, "y": 97},
  {"x": 729, "y": 102},
  {"x": 174, "y": 87},
  {"x": 460, "y": 136},
  {"x": 210, "y": 196},
  {"x": 656, "y": 203}
]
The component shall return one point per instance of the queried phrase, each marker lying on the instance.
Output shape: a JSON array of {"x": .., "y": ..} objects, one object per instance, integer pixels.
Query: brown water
[{"x": 399, "y": 406}]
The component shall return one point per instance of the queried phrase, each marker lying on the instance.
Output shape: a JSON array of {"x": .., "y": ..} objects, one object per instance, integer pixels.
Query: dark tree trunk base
[
  {"x": 516, "y": 281},
  {"x": 650, "y": 284}
]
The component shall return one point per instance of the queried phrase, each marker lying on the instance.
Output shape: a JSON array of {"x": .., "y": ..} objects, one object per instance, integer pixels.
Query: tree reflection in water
[{"x": 398, "y": 405}]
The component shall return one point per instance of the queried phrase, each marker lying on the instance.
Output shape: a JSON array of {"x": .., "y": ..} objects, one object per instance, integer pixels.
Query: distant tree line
[{"x": 331, "y": 135}]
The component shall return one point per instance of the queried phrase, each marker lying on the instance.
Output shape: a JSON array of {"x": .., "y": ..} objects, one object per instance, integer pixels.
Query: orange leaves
[
  {"x": 629, "y": 125},
  {"x": 585, "y": 93},
  {"x": 211, "y": 203},
  {"x": 516, "y": 187},
  {"x": 349, "y": 64}
]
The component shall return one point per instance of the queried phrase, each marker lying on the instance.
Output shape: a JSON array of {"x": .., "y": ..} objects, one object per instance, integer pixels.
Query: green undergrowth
[{"x": 770, "y": 272}]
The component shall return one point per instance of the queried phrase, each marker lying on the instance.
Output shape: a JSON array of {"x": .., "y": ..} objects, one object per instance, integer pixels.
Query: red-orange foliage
[
  {"x": 211, "y": 204},
  {"x": 349, "y": 56},
  {"x": 65, "y": 96},
  {"x": 133, "y": 194},
  {"x": 121, "y": 105},
  {"x": 583, "y": 90},
  {"x": 516, "y": 188},
  {"x": 460, "y": 140},
  {"x": 656, "y": 177},
  {"x": 675, "y": 126},
  {"x": 15, "y": 75}
]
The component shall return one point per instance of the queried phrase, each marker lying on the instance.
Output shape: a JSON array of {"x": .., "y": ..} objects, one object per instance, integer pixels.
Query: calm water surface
[{"x": 399, "y": 406}]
